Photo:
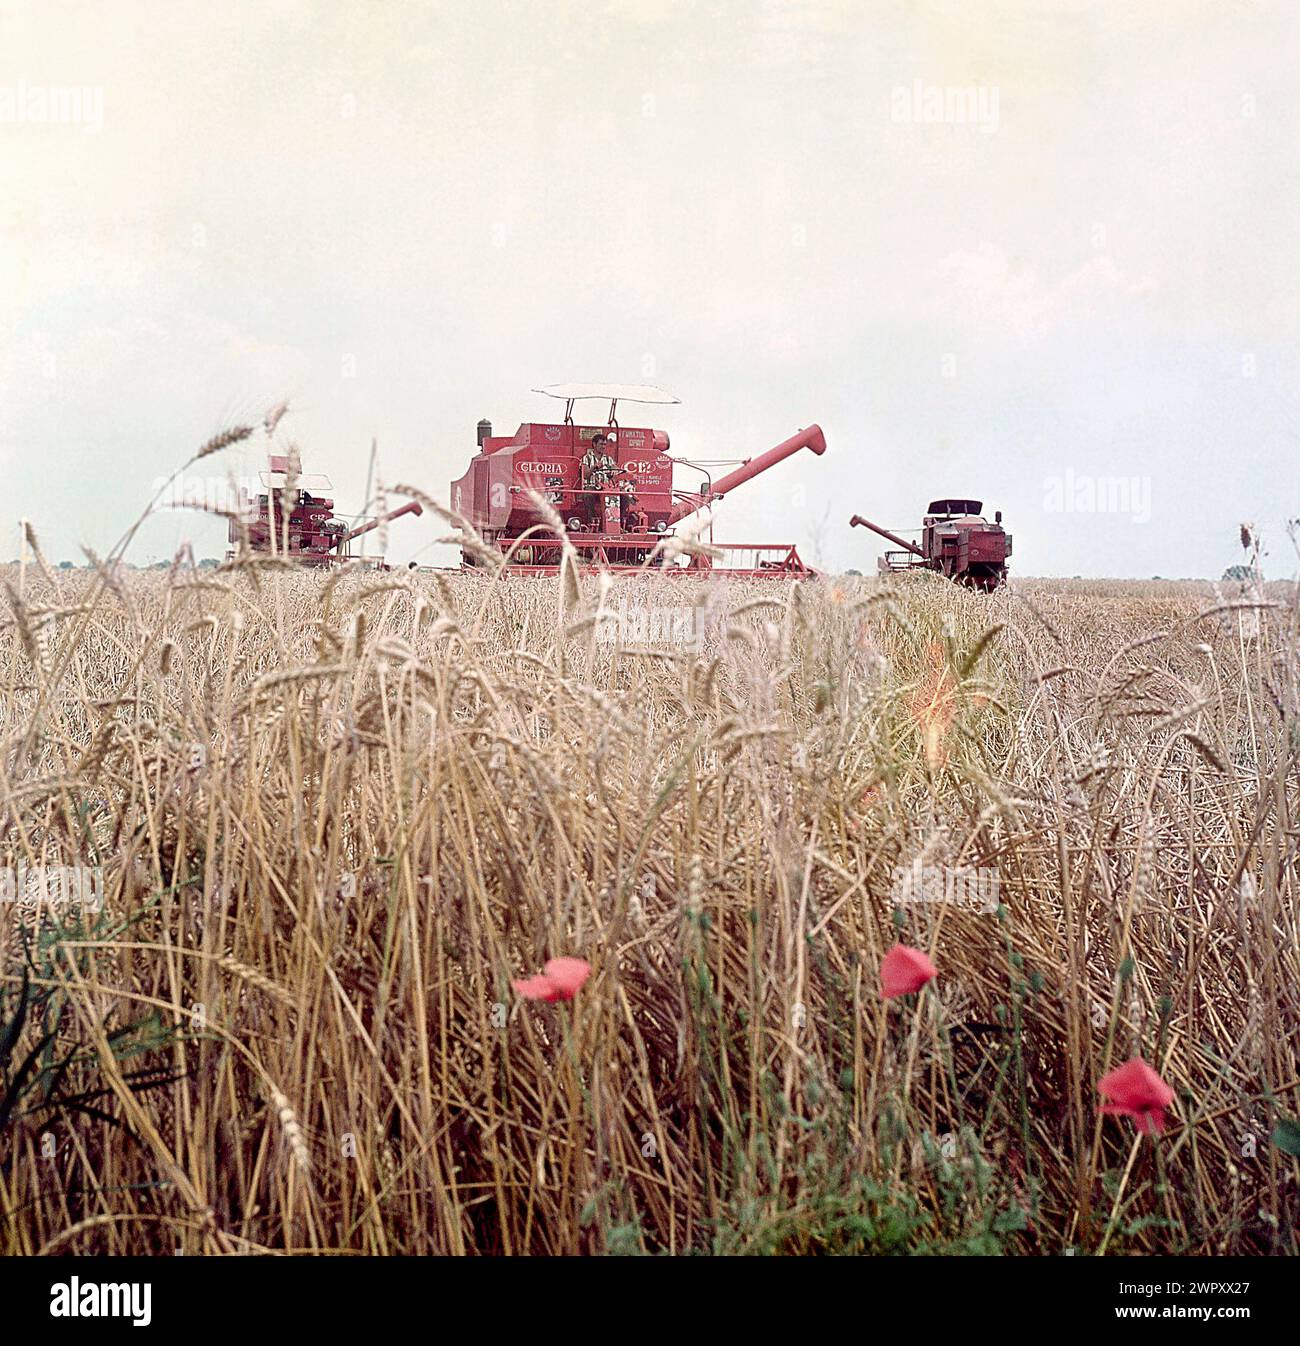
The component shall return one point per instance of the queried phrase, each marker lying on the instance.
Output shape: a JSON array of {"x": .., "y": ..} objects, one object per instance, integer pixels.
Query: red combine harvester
[
  {"x": 956, "y": 541},
  {"x": 612, "y": 485},
  {"x": 293, "y": 519}
]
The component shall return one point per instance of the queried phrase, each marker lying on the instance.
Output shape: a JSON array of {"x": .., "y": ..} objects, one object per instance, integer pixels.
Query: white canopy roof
[
  {"x": 277, "y": 481},
  {"x": 609, "y": 392}
]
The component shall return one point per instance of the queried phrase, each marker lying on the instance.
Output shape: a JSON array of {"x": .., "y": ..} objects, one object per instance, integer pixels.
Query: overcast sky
[{"x": 403, "y": 216}]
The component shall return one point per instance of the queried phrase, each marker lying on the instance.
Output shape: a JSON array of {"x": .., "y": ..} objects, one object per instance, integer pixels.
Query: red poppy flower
[
  {"x": 560, "y": 979},
  {"x": 1135, "y": 1090},
  {"x": 904, "y": 970}
]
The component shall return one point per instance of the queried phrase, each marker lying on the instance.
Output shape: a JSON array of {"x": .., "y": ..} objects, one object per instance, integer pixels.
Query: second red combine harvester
[
  {"x": 956, "y": 541},
  {"x": 612, "y": 487},
  {"x": 296, "y": 520}
]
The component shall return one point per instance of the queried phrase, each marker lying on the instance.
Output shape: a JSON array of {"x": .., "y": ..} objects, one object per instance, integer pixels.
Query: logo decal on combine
[
  {"x": 553, "y": 433},
  {"x": 554, "y": 469}
]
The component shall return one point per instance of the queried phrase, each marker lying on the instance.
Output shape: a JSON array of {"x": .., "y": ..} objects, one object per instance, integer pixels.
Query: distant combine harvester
[
  {"x": 956, "y": 541},
  {"x": 296, "y": 520}
]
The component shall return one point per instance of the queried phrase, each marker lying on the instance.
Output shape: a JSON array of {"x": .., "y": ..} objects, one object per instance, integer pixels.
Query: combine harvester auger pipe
[
  {"x": 412, "y": 507},
  {"x": 857, "y": 520},
  {"x": 811, "y": 438}
]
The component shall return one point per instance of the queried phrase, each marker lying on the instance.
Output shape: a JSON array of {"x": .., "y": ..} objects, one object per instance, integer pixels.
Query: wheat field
[{"x": 335, "y": 815}]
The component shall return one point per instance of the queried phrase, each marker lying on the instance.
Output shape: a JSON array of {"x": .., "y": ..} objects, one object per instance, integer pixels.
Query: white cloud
[{"x": 985, "y": 288}]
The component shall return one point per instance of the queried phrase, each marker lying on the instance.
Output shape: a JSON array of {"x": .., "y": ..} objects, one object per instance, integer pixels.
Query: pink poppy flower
[
  {"x": 904, "y": 970},
  {"x": 535, "y": 988},
  {"x": 1135, "y": 1090},
  {"x": 560, "y": 979}
]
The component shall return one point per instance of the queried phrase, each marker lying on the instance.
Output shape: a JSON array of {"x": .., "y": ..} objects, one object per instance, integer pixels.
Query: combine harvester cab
[
  {"x": 612, "y": 485},
  {"x": 296, "y": 520},
  {"x": 956, "y": 541}
]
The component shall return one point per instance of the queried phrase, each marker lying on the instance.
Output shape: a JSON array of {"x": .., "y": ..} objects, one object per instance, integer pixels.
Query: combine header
[
  {"x": 293, "y": 519},
  {"x": 612, "y": 486},
  {"x": 955, "y": 541}
]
